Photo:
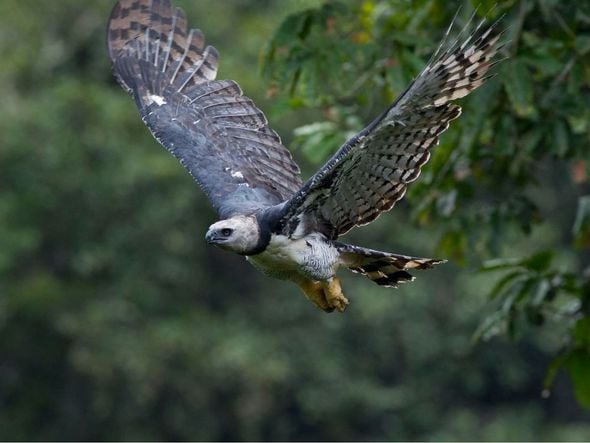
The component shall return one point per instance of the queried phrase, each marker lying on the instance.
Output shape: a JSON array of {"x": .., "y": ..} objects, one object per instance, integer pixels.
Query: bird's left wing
[
  {"x": 372, "y": 170},
  {"x": 219, "y": 135}
]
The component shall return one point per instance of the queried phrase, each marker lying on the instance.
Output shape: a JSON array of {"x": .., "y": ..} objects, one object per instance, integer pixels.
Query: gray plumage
[{"x": 287, "y": 228}]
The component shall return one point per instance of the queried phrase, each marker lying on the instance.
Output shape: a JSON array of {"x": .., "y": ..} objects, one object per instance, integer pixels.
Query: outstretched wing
[
  {"x": 219, "y": 135},
  {"x": 372, "y": 170}
]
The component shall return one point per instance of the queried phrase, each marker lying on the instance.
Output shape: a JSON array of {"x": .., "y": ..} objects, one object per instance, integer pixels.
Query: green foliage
[
  {"x": 581, "y": 228},
  {"x": 528, "y": 293},
  {"x": 119, "y": 323},
  {"x": 517, "y": 154}
]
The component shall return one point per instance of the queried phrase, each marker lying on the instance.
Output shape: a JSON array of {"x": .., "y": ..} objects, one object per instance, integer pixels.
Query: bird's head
[{"x": 237, "y": 234}]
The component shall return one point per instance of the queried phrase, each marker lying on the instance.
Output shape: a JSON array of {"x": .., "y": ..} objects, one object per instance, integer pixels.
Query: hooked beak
[{"x": 212, "y": 238}]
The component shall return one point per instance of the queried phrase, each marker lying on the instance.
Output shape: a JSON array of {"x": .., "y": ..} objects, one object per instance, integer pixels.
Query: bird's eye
[{"x": 226, "y": 232}]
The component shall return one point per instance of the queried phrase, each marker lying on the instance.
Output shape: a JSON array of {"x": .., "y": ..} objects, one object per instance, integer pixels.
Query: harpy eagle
[{"x": 285, "y": 227}]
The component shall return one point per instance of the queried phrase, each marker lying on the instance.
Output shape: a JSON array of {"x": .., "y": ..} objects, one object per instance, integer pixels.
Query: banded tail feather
[{"x": 384, "y": 268}]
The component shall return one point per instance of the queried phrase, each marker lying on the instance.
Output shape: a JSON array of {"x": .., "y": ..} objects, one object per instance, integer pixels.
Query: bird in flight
[{"x": 285, "y": 227}]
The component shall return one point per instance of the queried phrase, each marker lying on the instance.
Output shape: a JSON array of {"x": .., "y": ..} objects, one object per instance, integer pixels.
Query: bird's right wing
[
  {"x": 372, "y": 170},
  {"x": 219, "y": 135}
]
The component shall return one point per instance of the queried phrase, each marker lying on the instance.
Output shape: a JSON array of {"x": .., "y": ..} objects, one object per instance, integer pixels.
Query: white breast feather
[{"x": 310, "y": 257}]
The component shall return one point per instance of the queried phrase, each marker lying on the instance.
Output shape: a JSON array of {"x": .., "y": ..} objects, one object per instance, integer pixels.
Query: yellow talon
[
  {"x": 334, "y": 295},
  {"x": 314, "y": 291},
  {"x": 326, "y": 295}
]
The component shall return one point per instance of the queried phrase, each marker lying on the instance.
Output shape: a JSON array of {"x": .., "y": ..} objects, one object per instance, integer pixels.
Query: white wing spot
[
  {"x": 157, "y": 99},
  {"x": 237, "y": 174}
]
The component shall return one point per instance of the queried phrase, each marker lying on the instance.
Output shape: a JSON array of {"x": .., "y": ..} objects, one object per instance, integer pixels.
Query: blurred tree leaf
[
  {"x": 581, "y": 228},
  {"x": 318, "y": 140},
  {"x": 518, "y": 85},
  {"x": 577, "y": 364}
]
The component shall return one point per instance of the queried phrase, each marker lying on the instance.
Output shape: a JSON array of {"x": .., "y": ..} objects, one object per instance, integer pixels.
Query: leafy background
[{"x": 117, "y": 322}]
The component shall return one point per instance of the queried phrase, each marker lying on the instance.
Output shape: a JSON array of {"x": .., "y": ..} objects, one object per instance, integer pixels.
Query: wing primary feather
[
  {"x": 169, "y": 44},
  {"x": 157, "y": 52},
  {"x": 195, "y": 68},
  {"x": 445, "y": 37},
  {"x": 147, "y": 43},
  {"x": 156, "y": 25},
  {"x": 180, "y": 62}
]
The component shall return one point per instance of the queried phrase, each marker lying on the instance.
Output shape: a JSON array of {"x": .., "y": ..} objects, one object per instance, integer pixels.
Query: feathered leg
[
  {"x": 334, "y": 295},
  {"x": 314, "y": 291},
  {"x": 326, "y": 295}
]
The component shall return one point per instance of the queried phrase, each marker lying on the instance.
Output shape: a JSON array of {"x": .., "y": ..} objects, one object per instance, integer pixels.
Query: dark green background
[{"x": 118, "y": 322}]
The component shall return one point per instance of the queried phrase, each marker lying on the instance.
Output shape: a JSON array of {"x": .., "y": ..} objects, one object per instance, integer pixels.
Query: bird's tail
[{"x": 384, "y": 268}]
